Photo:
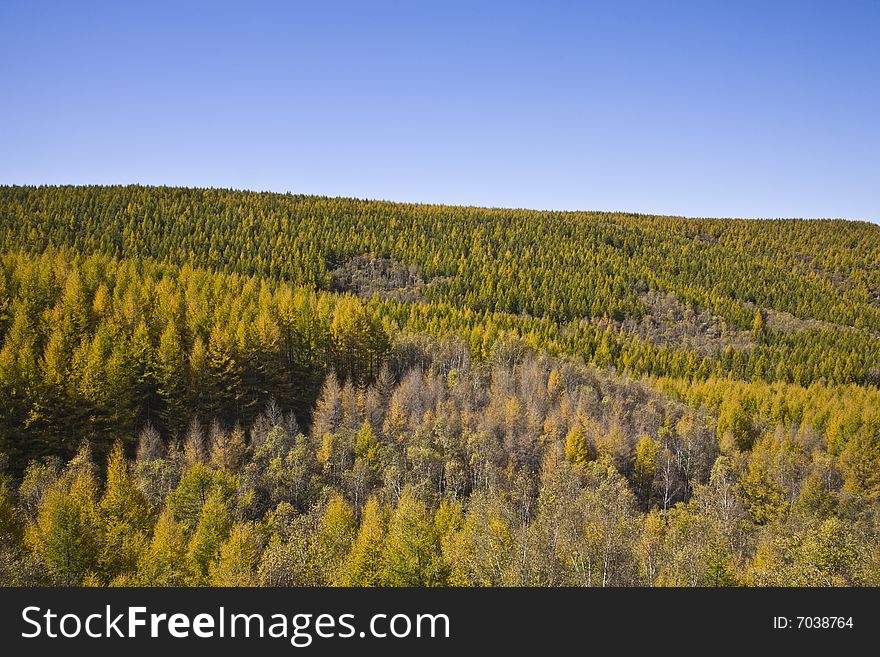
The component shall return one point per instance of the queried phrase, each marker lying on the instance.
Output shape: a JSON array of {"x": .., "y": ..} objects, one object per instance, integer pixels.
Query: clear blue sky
[{"x": 704, "y": 108}]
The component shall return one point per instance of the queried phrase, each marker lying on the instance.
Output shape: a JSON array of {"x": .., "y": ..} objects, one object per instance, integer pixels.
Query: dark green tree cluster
[{"x": 93, "y": 348}]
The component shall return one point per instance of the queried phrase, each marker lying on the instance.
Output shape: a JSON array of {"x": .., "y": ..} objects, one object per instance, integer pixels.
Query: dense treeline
[
  {"x": 218, "y": 387},
  {"x": 524, "y": 470},
  {"x": 94, "y": 348}
]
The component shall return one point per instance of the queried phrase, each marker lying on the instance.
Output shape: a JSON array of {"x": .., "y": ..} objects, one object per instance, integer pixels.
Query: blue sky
[{"x": 739, "y": 108}]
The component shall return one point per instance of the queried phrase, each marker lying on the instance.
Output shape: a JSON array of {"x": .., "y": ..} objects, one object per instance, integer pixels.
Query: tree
[
  {"x": 735, "y": 428},
  {"x": 38, "y": 478},
  {"x": 328, "y": 413},
  {"x": 282, "y": 469},
  {"x": 171, "y": 379},
  {"x": 239, "y": 558},
  {"x": 228, "y": 450},
  {"x": 412, "y": 555},
  {"x": 224, "y": 378},
  {"x": 366, "y": 446},
  {"x": 143, "y": 377},
  {"x": 333, "y": 537},
  {"x": 163, "y": 563},
  {"x": 473, "y": 454},
  {"x": 758, "y": 328},
  {"x": 194, "y": 490},
  {"x": 763, "y": 495},
  {"x": 66, "y": 536},
  {"x": 150, "y": 446},
  {"x": 363, "y": 565},
  {"x": 577, "y": 451},
  {"x": 484, "y": 544},
  {"x": 825, "y": 554},
  {"x": 210, "y": 534},
  {"x": 126, "y": 518},
  {"x": 644, "y": 468}
]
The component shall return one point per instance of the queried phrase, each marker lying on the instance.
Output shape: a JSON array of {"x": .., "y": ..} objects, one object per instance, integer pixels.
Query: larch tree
[
  {"x": 239, "y": 558},
  {"x": 412, "y": 555},
  {"x": 163, "y": 561},
  {"x": 126, "y": 519},
  {"x": 363, "y": 565}
]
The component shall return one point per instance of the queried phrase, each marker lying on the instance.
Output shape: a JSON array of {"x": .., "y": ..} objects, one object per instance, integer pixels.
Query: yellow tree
[
  {"x": 125, "y": 516},
  {"x": 333, "y": 537},
  {"x": 163, "y": 563},
  {"x": 211, "y": 532},
  {"x": 412, "y": 555},
  {"x": 577, "y": 450},
  {"x": 239, "y": 557},
  {"x": 66, "y": 536},
  {"x": 363, "y": 566}
]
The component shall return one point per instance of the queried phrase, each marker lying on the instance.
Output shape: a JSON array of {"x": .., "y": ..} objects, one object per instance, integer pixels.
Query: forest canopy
[{"x": 234, "y": 388}]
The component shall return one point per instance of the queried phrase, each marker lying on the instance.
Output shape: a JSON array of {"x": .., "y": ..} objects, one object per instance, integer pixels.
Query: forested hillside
[{"x": 235, "y": 388}]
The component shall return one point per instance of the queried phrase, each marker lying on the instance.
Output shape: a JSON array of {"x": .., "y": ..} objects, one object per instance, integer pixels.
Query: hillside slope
[
  {"x": 809, "y": 279},
  {"x": 301, "y": 390}
]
